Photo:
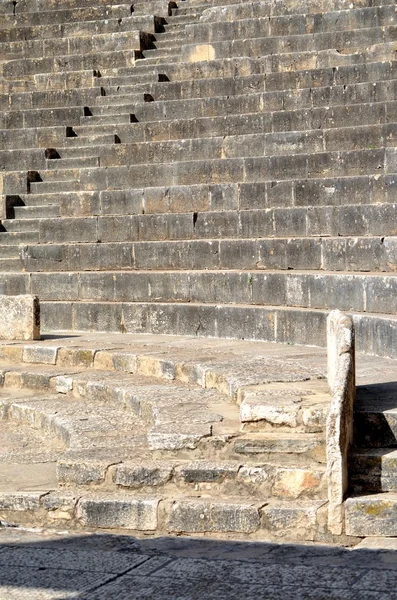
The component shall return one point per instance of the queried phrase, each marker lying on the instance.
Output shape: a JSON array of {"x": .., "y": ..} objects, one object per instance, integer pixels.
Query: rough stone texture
[
  {"x": 339, "y": 433},
  {"x": 195, "y": 517},
  {"x": 19, "y": 318},
  {"x": 118, "y": 513}
]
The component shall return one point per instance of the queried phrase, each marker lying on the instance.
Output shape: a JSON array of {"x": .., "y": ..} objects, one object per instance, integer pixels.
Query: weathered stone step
[
  {"x": 333, "y": 254},
  {"x": 377, "y": 189},
  {"x": 221, "y": 28},
  {"x": 279, "y": 106},
  {"x": 67, "y": 185},
  {"x": 146, "y": 23},
  {"x": 169, "y": 51},
  {"x": 375, "y": 418},
  {"x": 10, "y": 265},
  {"x": 18, "y": 237},
  {"x": 306, "y": 77},
  {"x": 371, "y": 515},
  {"x": 65, "y": 46},
  {"x": 44, "y": 117},
  {"x": 229, "y": 478},
  {"x": 242, "y": 170},
  {"x": 79, "y": 14},
  {"x": 373, "y": 470},
  {"x": 292, "y": 520},
  {"x": 12, "y": 225},
  {"x": 315, "y": 59},
  {"x": 316, "y": 96},
  {"x": 36, "y": 212},
  {"x": 255, "y": 145},
  {"x": 9, "y": 252},
  {"x": 79, "y": 161},
  {"x": 317, "y": 290},
  {"x": 48, "y": 5},
  {"x": 355, "y": 220},
  {"x": 69, "y": 63},
  {"x": 49, "y": 99}
]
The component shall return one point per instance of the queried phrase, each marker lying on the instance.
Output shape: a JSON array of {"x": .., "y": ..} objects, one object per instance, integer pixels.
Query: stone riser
[
  {"x": 233, "y": 170},
  {"x": 207, "y": 198},
  {"x": 145, "y": 23},
  {"x": 375, "y": 334},
  {"x": 349, "y": 254},
  {"x": 348, "y": 221},
  {"x": 313, "y": 291},
  {"x": 154, "y": 515},
  {"x": 232, "y": 146},
  {"x": 79, "y": 14},
  {"x": 263, "y": 26}
]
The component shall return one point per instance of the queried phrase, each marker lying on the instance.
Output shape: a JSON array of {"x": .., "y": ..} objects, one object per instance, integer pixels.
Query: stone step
[
  {"x": 154, "y": 408},
  {"x": 296, "y": 520},
  {"x": 79, "y": 202},
  {"x": 371, "y": 515},
  {"x": 73, "y": 163},
  {"x": 36, "y": 212},
  {"x": 373, "y": 470},
  {"x": 65, "y": 46},
  {"x": 313, "y": 193},
  {"x": 283, "y": 106},
  {"x": 18, "y": 237},
  {"x": 169, "y": 51},
  {"x": 69, "y": 63},
  {"x": 281, "y": 62},
  {"x": 315, "y": 290},
  {"x": 222, "y": 28},
  {"x": 146, "y": 23},
  {"x": 9, "y": 252},
  {"x": 333, "y": 254},
  {"x": 70, "y": 174},
  {"x": 67, "y": 185},
  {"x": 13, "y": 225},
  {"x": 47, "y": 99},
  {"x": 375, "y": 417},
  {"x": 350, "y": 221},
  {"x": 239, "y": 170},
  {"x": 305, "y": 77},
  {"x": 76, "y": 15},
  {"x": 10, "y": 264},
  {"x": 234, "y": 146},
  {"x": 320, "y": 95},
  {"x": 284, "y": 325}
]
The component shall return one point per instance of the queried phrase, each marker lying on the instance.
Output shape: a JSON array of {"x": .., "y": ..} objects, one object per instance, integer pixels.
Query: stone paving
[{"x": 43, "y": 565}]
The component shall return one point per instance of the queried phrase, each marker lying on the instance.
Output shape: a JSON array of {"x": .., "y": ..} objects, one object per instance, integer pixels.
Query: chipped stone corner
[
  {"x": 19, "y": 317},
  {"x": 339, "y": 428}
]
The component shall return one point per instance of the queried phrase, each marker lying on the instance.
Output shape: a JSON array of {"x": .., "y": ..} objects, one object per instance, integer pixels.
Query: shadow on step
[{"x": 373, "y": 460}]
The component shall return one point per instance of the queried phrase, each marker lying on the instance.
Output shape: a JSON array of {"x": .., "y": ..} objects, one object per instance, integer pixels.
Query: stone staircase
[
  {"x": 210, "y": 169},
  {"x": 164, "y": 434}
]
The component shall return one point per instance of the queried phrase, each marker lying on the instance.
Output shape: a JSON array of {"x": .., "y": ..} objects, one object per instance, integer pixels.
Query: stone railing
[{"x": 339, "y": 431}]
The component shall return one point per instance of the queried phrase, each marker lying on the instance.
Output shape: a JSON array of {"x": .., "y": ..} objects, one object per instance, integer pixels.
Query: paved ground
[{"x": 44, "y": 565}]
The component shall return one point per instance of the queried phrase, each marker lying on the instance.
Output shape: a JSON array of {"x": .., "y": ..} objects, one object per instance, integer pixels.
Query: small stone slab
[
  {"x": 118, "y": 513},
  {"x": 19, "y": 317},
  {"x": 374, "y": 515},
  {"x": 200, "y": 517}
]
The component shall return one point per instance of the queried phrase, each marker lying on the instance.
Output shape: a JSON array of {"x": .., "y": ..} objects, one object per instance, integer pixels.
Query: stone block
[
  {"x": 200, "y": 517},
  {"x": 19, "y": 317},
  {"x": 137, "y": 476},
  {"x": 122, "y": 512},
  {"x": 339, "y": 429}
]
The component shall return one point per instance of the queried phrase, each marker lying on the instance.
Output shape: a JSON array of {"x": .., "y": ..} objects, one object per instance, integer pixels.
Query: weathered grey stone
[
  {"x": 276, "y": 410},
  {"x": 339, "y": 433},
  {"x": 199, "y": 516},
  {"x": 136, "y": 476},
  {"x": 121, "y": 512},
  {"x": 19, "y": 317}
]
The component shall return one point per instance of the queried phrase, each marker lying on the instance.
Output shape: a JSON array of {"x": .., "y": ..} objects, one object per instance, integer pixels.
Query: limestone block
[
  {"x": 339, "y": 430},
  {"x": 215, "y": 517},
  {"x": 19, "y": 317},
  {"x": 136, "y": 476},
  {"x": 121, "y": 513}
]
